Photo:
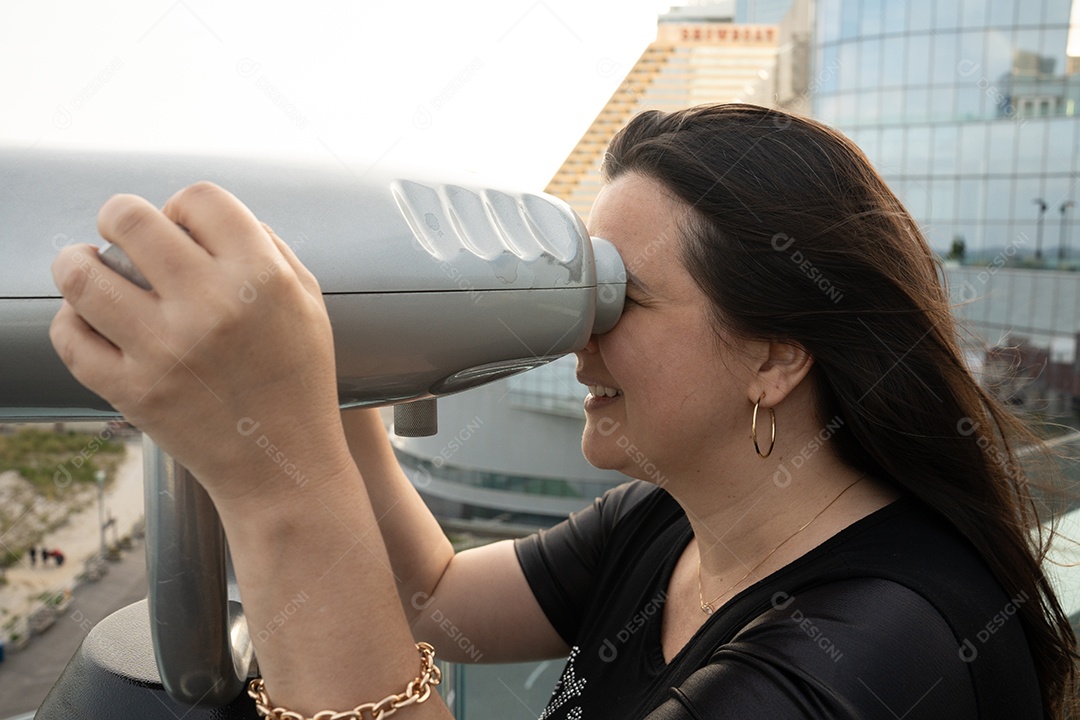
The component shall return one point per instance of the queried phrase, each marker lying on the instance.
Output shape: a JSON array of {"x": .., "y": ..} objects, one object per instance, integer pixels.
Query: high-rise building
[
  {"x": 761, "y": 11},
  {"x": 970, "y": 111},
  {"x": 700, "y": 56}
]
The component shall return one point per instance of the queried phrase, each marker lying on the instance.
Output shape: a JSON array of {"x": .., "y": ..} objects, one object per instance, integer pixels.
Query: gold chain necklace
[{"x": 709, "y": 608}]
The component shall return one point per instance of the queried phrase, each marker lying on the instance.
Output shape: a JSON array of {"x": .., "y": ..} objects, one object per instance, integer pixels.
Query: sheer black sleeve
[{"x": 562, "y": 563}]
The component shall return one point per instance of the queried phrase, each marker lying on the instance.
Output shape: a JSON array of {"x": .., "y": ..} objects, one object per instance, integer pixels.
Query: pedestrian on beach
[
  {"x": 33, "y": 555},
  {"x": 44, "y": 556},
  {"x": 843, "y": 528}
]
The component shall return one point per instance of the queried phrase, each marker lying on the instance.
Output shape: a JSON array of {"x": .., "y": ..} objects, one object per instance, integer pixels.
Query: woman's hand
[{"x": 227, "y": 363}]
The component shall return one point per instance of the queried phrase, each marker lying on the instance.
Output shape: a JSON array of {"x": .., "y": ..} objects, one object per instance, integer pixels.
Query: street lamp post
[
  {"x": 99, "y": 475},
  {"x": 1061, "y": 243},
  {"x": 1038, "y": 227}
]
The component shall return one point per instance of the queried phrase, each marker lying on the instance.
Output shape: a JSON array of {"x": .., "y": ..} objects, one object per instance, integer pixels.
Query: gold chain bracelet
[{"x": 416, "y": 692}]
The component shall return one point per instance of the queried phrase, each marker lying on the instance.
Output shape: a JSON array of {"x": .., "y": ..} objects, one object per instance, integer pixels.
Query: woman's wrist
[
  {"x": 274, "y": 477},
  {"x": 273, "y": 458},
  {"x": 300, "y": 561}
]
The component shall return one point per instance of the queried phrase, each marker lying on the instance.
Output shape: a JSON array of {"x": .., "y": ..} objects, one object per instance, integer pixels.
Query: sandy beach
[{"x": 79, "y": 539}]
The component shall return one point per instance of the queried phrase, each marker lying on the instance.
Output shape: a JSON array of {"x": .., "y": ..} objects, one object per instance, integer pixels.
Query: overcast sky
[{"x": 501, "y": 89}]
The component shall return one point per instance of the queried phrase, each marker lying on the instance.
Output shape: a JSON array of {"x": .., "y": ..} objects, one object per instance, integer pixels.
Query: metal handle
[{"x": 201, "y": 641}]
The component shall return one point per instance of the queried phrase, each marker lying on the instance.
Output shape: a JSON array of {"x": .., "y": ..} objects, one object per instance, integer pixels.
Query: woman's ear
[{"x": 784, "y": 366}]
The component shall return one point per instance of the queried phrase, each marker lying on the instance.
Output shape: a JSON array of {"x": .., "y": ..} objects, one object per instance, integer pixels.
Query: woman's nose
[{"x": 590, "y": 347}]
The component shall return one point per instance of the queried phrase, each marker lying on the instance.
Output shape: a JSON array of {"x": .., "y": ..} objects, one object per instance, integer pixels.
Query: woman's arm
[
  {"x": 197, "y": 366},
  {"x": 475, "y": 606},
  {"x": 320, "y": 597},
  {"x": 210, "y": 373},
  {"x": 420, "y": 553}
]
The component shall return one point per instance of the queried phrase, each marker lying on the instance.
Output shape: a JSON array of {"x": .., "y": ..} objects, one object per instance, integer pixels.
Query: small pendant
[{"x": 707, "y": 608}]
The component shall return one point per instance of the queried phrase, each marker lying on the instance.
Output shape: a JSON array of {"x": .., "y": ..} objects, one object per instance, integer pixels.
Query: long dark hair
[{"x": 795, "y": 237}]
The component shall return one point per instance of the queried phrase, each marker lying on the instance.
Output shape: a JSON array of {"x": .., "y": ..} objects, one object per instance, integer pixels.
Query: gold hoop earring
[{"x": 772, "y": 432}]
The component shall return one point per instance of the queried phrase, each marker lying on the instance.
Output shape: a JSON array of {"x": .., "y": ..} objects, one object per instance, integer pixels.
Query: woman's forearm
[
  {"x": 317, "y": 585},
  {"x": 418, "y": 550},
  {"x": 319, "y": 597}
]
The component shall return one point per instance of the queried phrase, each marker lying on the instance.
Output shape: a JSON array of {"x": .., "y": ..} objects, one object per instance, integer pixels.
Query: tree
[{"x": 956, "y": 252}]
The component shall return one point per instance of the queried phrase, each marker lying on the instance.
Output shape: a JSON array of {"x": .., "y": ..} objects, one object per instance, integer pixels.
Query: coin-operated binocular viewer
[{"x": 432, "y": 288}]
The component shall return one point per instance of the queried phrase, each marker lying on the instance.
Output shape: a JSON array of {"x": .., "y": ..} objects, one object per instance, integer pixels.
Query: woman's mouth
[{"x": 600, "y": 391}]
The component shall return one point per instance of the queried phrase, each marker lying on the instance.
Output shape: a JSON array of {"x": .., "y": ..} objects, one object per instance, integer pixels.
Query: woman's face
[{"x": 665, "y": 397}]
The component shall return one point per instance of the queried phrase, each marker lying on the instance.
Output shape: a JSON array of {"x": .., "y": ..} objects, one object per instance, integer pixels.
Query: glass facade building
[{"x": 969, "y": 109}]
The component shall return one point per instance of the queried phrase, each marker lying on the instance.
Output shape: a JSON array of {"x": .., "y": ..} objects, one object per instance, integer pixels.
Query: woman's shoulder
[
  {"x": 850, "y": 648},
  {"x": 911, "y": 544},
  {"x": 900, "y": 588},
  {"x": 872, "y": 643},
  {"x": 905, "y": 538}
]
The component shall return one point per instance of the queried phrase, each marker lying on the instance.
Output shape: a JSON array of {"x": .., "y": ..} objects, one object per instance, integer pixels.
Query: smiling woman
[
  {"x": 875, "y": 371},
  {"x": 826, "y": 515}
]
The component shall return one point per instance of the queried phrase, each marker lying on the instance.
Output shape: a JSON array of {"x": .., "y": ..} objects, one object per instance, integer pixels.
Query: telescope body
[{"x": 431, "y": 287}]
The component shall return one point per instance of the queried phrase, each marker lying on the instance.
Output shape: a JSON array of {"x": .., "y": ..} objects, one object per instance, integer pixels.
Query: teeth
[{"x": 602, "y": 391}]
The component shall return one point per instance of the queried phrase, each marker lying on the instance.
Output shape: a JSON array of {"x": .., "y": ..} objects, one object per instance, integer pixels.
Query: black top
[{"x": 895, "y": 616}]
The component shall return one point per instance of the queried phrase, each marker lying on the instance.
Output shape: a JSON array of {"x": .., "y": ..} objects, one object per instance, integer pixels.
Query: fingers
[
  {"x": 162, "y": 251},
  {"x": 311, "y": 284},
  {"x": 109, "y": 304},
  {"x": 92, "y": 359},
  {"x": 217, "y": 220}
]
